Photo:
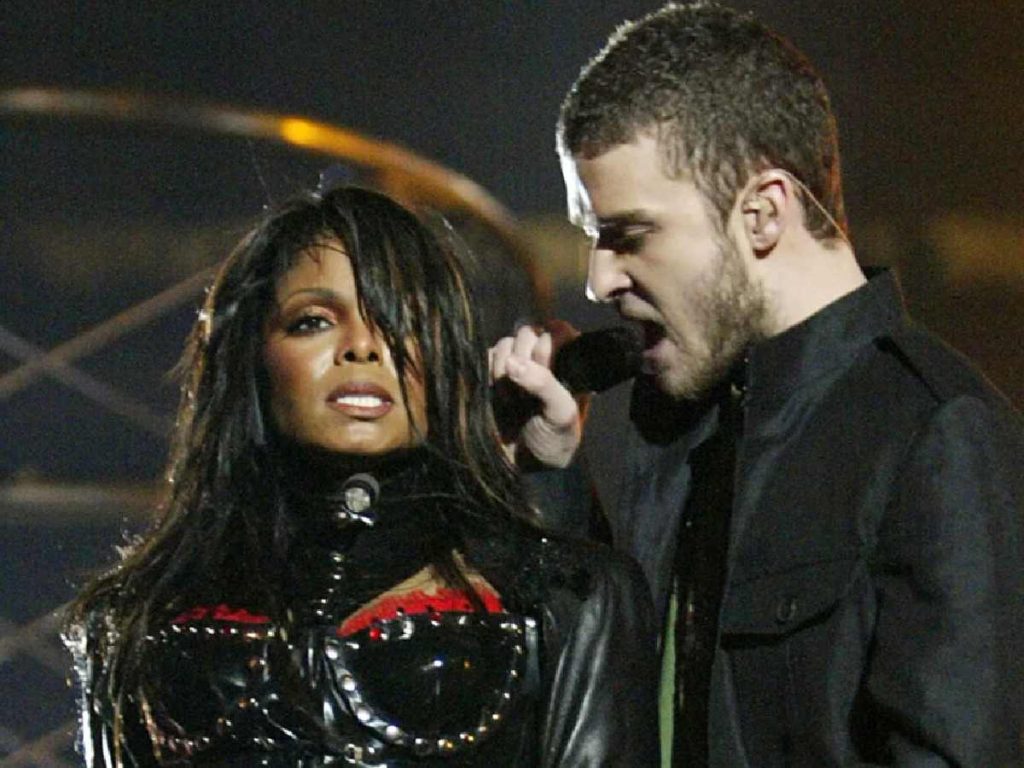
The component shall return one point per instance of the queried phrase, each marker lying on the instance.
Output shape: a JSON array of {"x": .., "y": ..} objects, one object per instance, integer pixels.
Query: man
[{"x": 827, "y": 502}]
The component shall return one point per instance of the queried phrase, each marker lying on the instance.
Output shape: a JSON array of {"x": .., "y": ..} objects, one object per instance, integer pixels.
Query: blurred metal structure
[{"x": 37, "y": 519}]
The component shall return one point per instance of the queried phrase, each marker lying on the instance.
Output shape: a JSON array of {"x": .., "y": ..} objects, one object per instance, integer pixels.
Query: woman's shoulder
[{"x": 539, "y": 565}]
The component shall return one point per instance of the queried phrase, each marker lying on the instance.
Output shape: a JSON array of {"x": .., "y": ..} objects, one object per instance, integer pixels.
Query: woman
[{"x": 345, "y": 570}]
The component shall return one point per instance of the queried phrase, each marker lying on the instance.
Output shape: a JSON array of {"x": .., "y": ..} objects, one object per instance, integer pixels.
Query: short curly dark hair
[{"x": 724, "y": 96}]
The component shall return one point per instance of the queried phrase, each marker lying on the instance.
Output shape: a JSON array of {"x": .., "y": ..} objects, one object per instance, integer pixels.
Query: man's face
[{"x": 659, "y": 258}]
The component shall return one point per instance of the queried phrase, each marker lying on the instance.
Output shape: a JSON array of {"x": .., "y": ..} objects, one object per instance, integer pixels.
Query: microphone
[
  {"x": 598, "y": 360},
  {"x": 590, "y": 363}
]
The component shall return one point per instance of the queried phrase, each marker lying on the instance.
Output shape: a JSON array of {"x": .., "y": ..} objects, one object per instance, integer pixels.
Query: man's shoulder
[{"x": 938, "y": 370}]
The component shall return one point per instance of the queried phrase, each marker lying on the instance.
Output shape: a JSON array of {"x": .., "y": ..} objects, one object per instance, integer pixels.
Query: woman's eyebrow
[{"x": 326, "y": 294}]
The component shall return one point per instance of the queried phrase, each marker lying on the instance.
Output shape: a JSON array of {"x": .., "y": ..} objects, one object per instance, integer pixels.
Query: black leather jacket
[
  {"x": 872, "y": 609},
  {"x": 558, "y": 671}
]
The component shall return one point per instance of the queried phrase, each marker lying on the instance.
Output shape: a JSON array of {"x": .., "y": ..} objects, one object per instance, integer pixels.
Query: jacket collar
[{"x": 827, "y": 342}]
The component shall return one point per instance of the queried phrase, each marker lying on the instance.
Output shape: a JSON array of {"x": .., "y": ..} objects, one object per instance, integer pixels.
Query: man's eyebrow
[
  {"x": 594, "y": 224},
  {"x": 625, "y": 217}
]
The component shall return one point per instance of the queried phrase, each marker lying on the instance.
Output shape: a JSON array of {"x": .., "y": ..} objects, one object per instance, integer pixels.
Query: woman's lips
[{"x": 361, "y": 400}]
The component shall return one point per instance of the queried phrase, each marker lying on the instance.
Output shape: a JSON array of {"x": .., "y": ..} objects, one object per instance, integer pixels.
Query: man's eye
[
  {"x": 627, "y": 240},
  {"x": 308, "y": 324}
]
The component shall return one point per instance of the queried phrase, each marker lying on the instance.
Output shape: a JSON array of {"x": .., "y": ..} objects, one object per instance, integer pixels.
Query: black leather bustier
[
  {"x": 554, "y": 667},
  {"x": 441, "y": 685}
]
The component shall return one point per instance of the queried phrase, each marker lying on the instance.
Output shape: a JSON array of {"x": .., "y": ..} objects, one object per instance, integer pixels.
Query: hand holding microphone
[{"x": 535, "y": 375}]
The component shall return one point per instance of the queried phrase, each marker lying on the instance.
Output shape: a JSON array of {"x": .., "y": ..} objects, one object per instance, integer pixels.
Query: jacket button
[{"x": 786, "y": 610}]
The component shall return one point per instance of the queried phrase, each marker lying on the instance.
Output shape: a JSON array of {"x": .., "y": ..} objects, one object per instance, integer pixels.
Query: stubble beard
[{"x": 729, "y": 313}]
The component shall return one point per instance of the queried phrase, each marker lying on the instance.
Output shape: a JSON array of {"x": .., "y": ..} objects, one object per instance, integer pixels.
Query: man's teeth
[{"x": 360, "y": 401}]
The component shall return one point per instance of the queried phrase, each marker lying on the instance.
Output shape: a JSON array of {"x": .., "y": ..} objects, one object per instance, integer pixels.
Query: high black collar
[
  {"x": 338, "y": 561},
  {"x": 415, "y": 486},
  {"x": 826, "y": 342},
  {"x": 772, "y": 371}
]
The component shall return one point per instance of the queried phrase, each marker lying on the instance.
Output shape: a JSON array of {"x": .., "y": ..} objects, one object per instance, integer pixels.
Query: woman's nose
[{"x": 360, "y": 345}]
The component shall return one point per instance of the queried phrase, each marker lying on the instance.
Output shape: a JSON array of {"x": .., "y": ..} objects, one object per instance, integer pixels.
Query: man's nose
[{"x": 605, "y": 278}]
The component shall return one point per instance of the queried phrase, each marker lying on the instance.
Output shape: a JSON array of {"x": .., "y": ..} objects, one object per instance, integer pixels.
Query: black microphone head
[{"x": 598, "y": 360}]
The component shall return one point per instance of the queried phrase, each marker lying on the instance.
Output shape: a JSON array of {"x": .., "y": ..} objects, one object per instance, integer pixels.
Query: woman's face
[{"x": 333, "y": 383}]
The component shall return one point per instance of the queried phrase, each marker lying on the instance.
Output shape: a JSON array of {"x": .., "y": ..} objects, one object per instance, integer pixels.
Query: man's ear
[{"x": 767, "y": 209}]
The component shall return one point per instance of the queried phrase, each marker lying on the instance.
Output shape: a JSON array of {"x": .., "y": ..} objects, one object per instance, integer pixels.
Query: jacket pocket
[
  {"x": 793, "y": 649},
  {"x": 780, "y": 602}
]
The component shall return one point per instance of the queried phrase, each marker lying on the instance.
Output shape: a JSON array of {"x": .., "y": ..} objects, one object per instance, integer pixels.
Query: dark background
[
  {"x": 927, "y": 92},
  {"x": 95, "y": 217}
]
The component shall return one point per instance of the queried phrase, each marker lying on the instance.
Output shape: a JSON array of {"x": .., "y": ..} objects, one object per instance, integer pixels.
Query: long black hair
[{"x": 223, "y": 528}]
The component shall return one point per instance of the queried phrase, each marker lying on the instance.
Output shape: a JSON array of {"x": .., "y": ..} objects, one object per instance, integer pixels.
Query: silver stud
[
  {"x": 348, "y": 683},
  {"x": 363, "y": 714},
  {"x": 332, "y": 653},
  {"x": 392, "y": 732},
  {"x": 357, "y": 499}
]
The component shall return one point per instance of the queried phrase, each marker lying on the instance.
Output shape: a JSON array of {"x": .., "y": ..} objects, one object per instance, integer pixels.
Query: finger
[
  {"x": 542, "y": 350},
  {"x": 559, "y": 410},
  {"x": 499, "y": 355},
  {"x": 557, "y": 403},
  {"x": 525, "y": 341}
]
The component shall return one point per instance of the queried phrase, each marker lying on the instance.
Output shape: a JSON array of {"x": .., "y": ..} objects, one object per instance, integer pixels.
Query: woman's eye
[{"x": 309, "y": 324}]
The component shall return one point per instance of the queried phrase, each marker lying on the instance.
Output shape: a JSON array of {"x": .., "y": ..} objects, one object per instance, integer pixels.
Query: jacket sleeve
[
  {"x": 946, "y": 674},
  {"x": 567, "y": 502},
  {"x": 601, "y": 708}
]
